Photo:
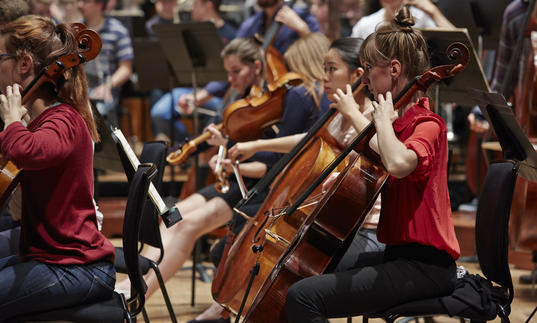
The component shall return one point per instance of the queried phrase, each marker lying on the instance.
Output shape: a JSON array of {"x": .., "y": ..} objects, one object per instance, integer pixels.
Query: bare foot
[{"x": 212, "y": 313}]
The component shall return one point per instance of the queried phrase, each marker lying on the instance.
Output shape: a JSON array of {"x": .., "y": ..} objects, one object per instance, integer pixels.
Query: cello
[
  {"x": 298, "y": 237},
  {"x": 89, "y": 45}
]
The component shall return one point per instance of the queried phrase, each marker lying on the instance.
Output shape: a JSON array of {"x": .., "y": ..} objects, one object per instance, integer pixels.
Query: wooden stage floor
[{"x": 179, "y": 289}]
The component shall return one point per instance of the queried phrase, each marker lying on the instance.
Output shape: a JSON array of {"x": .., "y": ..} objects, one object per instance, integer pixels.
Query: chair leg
[
  {"x": 365, "y": 319},
  {"x": 164, "y": 291},
  {"x": 349, "y": 319},
  {"x": 144, "y": 313}
]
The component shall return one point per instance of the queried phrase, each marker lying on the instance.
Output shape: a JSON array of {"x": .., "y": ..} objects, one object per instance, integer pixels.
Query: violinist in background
[
  {"x": 63, "y": 259},
  {"x": 415, "y": 221}
]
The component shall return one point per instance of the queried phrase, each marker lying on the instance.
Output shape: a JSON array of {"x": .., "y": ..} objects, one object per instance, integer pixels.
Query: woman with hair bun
[
  {"x": 415, "y": 221},
  {"x": 63, "y": 258}
]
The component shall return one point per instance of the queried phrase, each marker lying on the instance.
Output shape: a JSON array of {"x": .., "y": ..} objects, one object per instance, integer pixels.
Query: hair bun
[{"x": 404, "y": 19}]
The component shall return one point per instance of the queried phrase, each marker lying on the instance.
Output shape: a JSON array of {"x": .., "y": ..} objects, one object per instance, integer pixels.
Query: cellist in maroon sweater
[{"x": 64, "y": 260}]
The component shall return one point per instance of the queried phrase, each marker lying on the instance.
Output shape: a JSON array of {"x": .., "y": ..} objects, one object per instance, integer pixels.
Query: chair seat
[
  {"x": 109, "y": 311},
  {"x": 121, "y": 266}
]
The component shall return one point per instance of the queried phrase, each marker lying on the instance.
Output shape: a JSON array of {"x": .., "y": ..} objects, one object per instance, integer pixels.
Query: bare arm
[
  {"x": 245, "y": 150},
  {"x": 121, "y": 75}
]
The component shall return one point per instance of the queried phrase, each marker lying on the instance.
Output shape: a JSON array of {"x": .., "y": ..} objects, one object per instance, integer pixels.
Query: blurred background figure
[
  {"x": 12, "y": 9},
  {"x": 165, "y": 13},
  {"x": 68, "y": 11}
]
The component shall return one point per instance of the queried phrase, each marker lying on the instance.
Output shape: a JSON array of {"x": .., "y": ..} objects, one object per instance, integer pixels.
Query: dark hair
[
  {"x": 397, "y": 40},
  {"x": 13, "y": 9},
  {"x": 38, "y": 37},
  {"x": 348, "y": 49}
]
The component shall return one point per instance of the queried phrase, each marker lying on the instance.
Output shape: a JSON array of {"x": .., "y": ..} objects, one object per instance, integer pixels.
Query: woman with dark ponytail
[
  {"x": 415, "y": 221},
  {"x": 63, "y": 259}
]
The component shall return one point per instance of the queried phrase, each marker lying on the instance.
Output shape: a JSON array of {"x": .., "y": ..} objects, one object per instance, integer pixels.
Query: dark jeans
[
  {"x": 32, "y": 286},
  {"x": 384, "y": 279}
]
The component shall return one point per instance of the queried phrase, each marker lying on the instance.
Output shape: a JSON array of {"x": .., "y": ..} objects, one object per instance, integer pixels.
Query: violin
[
  {"x": 89, "y": 46},
  {"x": 248, "y": 118},
  {"x": 294, "y": 234}
]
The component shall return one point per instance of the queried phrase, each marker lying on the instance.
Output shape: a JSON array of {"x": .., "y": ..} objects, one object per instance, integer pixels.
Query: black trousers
[{"x": 384, "y": 279}]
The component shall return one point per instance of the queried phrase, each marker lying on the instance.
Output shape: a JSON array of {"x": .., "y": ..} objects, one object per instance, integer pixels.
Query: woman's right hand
[
  {"x": 242, "y": 151},
  {"x": 345, "y": 103},
  {"x": 186, "y": 103}
]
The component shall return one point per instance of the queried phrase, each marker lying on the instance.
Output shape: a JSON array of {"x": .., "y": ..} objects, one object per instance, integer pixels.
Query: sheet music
[{"x": 153, "y": 193}]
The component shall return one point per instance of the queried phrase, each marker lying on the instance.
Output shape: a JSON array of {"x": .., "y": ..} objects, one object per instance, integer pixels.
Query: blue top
[
  {"x": 286, "y": 36},
  {"x": 299, "y": 114},
  {"x": 257, "y": 24}
]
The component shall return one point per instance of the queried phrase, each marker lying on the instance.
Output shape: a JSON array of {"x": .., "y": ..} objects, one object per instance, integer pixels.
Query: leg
[
  {"x": 33, "y": 286},
  {"x": 367, "y": 289},
  {"x": 179, "y": 240},
  {"x": 164, "y": 110}
]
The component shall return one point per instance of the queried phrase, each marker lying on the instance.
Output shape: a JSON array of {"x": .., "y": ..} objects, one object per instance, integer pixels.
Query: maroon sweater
[{"x": 58, "y": 223}]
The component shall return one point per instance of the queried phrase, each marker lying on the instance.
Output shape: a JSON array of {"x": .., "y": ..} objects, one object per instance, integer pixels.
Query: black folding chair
[
  {"x": 491, "y": 236},
  {"x": 149, "y": 234}
]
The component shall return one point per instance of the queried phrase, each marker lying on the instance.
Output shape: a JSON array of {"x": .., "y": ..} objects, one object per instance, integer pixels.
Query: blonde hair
[{"x": 306, "y": 56}]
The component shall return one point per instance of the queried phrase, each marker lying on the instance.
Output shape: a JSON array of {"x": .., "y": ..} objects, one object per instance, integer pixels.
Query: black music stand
[
  {"x": 480, "y": 17},
  {"x": 193, "y": 51},
  {"x": 515, "y": 144}
]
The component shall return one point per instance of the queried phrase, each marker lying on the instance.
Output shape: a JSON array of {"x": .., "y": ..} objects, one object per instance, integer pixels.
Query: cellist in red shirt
[{"x": 415, "y": 221}]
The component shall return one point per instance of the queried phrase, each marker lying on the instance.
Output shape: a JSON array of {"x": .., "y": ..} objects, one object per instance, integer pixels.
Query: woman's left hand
[
  {"x": 384, "y": 110},
  {"x": 11, "y": 108},
  {"x": 217, "y": 139}
]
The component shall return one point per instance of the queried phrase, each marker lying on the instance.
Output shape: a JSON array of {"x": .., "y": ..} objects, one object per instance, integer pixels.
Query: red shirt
[
  {"x": 58, "y": 223},
  {"x": 416, "y": 208}
]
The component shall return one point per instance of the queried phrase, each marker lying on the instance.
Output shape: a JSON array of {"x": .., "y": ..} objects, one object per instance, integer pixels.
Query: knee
[{"x": 294, "y": 299}]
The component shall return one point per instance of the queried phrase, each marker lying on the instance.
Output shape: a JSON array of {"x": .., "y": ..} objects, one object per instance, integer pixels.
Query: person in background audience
[
  {"x": 69, "y": 12},
  {"x": 113, "y": 66},
  {"x": 426, "y": 14},
  {"x": 164, "y": 15}
]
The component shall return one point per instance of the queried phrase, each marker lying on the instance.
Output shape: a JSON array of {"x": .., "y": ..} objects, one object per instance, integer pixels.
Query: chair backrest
[
  {"x": 136, "y": 200},
  {"x": 153, "y": 152},
  {"x": 492, "y": 219}
]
